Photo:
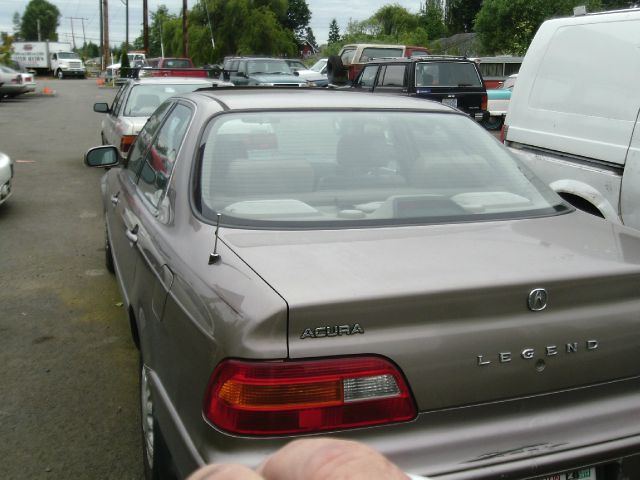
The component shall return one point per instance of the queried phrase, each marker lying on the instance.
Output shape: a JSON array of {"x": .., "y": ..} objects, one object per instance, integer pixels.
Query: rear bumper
[{"x": 517, "y": 439}]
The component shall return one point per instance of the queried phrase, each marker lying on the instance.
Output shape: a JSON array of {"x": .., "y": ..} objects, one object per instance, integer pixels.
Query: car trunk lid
[{"x": 450, "y": 304}]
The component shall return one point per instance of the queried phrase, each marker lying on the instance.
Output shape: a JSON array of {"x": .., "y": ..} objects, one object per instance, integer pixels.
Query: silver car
[
  {"x": 7, "y": 168},
  {"x": 300, "y": 262},
  {"x": 136, "y": 100}
]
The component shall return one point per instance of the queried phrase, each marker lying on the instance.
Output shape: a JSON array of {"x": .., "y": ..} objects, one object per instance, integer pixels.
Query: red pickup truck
[{"x": 172, "y": 67}]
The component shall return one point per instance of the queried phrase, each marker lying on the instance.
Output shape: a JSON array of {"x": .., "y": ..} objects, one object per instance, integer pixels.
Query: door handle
[
  {"x": 114, "y": 199},
  {"x": 132, "y": 234}
]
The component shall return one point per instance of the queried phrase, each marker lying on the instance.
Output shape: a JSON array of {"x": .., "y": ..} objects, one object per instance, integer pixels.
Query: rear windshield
[
  {"x": 144, "y": 99},
  {"x": 313, "y": 169},
  {"x": 177, "y": 63},
  {"x": 255, "y": 67},
  {"x": 447, "y": 74},
  {"x": 370, "y": 53}
]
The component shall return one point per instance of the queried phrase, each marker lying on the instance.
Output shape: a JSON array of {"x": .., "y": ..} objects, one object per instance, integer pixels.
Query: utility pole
[
  {"x": 185, "y": 38},
  {"x": 101, "y": 37},
  {"x": 105, "y": 29},
  {"x": 145, "y": 27},
  {"x": 126, "y": 14},
  {"x": 73, "y": 37},
  {"x": 38, "y": 22},
  {"x": 84, "y": 36}
]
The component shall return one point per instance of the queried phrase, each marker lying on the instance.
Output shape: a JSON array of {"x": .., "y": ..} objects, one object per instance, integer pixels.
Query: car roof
[
  {"x": 422, "y": 58},
  {"x": 278, "y": 98}
]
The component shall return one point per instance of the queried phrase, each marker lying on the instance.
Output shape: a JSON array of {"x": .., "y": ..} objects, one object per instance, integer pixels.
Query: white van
[{"x": 573, "y": 117}]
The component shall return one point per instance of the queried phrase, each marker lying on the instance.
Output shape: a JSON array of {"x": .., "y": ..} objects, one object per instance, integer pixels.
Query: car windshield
[
  {"x": 267, "y": 66},
  {"x": 68, "y": 56},
  {"x": 296, "y": 65},
  {"x": 319, "y": 65},
  {"x": 447, "y": 74},
  {"x": 177, "y": 63},
  {"x": 144, "y": 99},
  {"x": 307, "y": 169}
]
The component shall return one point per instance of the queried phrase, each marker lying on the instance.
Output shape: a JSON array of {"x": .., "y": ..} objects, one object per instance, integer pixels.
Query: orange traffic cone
[
  {"x": 99, "y": 81},
  {"x": 47, "y": 91}
]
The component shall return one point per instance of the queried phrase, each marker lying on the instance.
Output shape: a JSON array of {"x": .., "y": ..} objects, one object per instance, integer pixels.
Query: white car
[
  {"x": 12, "y": 82},
  {"x": 316, "y": 75},
  {"x": 6, "y": 175},
  {"x": 136, "y": 100}
]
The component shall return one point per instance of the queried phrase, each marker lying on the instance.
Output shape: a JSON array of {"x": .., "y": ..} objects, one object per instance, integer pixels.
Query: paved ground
[{"x": 68, "y": 369}]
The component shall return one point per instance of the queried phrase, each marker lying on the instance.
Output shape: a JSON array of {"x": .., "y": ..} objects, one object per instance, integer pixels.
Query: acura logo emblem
[{"x": 538, "y": 299}]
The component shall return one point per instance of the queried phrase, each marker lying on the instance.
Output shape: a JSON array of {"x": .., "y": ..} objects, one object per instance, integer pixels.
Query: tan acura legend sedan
[{"x": 300, "y": 262}]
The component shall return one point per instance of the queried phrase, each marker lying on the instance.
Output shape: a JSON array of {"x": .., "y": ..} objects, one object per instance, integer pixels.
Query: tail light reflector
[
  {"x": 288, "y": 397},
  {"x": 126, "y": 142},
  {"x": 485, "y": 102},
  {"x": 503, "y": 132}
]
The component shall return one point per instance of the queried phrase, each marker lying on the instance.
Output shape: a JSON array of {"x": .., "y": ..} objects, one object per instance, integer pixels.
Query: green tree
[
  {"x": 49, "y": 17},
  {"x": 17, "y": 21},
  {"x": 394, "y": 20},
  {"x": 298, "y": 18},
  {"x": 334, "y": 32},
  {"x": 310, "y": 37},
  {"x": 5, "y": 47},
  {"x": 461, "y": 14},
  {"x": 432, "y": 19},
  {"x": 508, "y": 26}
]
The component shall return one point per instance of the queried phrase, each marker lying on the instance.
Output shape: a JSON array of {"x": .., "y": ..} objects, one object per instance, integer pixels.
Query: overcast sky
[{"x": 322, "y": 12}]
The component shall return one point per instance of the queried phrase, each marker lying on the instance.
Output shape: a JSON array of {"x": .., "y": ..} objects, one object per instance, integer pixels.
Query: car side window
[
  {"x": 117, "y": 102},
  {"x": 368, "y": 76},
  {"x": 162, "y": 154},
  {"x": 135, "y": 158},
  {"x": 394, "y": 76}
]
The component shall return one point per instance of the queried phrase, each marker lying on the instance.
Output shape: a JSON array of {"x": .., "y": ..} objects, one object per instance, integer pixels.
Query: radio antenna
[{"x": 214, "y": 257}]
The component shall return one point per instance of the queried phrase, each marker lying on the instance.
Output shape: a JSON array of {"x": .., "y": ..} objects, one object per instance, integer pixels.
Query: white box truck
[
  {"x": 55, "y": 58},
  {"x": 574, "y": 116}
]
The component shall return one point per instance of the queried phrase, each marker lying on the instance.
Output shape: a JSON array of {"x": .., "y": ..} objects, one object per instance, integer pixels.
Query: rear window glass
[
  {"x": 447, "y": 74},
  {"x": 144, "y": 99},
  {"x": 370, "y": 53},
  {"x": 347, "y": 168}
]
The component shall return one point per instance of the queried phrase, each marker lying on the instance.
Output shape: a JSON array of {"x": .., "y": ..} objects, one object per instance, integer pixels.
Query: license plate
[
  {"x": 584, "y": 473},
  {"x": 452, "y": 102}
]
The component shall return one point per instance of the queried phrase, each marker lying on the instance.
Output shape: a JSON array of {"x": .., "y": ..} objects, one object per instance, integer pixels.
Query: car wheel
[
  {"x": 108, "y": 254},
  {"x": 493, "y": 123},
  {"x": 336, "y": 71},
  {"x": 155, "y": 454},
  {"x": 59, "y": 74}
]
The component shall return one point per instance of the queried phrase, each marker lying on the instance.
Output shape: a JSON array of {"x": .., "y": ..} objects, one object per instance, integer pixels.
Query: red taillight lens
[
  {"x": 485, "y": 102},
  {"x": 286, "y": 397},
  {"x": 126, "y": 142},
  {"x": 503, "y": 132}
]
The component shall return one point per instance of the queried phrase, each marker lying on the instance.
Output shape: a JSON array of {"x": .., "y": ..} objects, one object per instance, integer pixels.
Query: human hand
[{"x": 311, "y": 459}]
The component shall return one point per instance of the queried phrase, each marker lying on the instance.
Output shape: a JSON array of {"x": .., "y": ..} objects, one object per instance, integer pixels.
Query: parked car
[
  {"x": 454, "y": 81},
  {"x": 576, "y": 123},
  {"x": 378, "y": 268},
  {"x": 345, "y": 67},
  {"x": 12, "y": 83},
  {"x": 28, "y": 76},
  {"x": 314, "y": 78},
  {"x": 6, "y": 177},
  {"x": 264, "y": 72},
  {"x": 136, "y": 100}
]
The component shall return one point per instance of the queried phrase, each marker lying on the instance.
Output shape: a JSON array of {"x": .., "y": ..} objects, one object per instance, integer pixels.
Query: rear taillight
[
  {"x": 503, "y": 132},
  {"x": 484, "y": 102},
  {"x": 286, "y": 397},
  {"x": 126, "y": 142}
]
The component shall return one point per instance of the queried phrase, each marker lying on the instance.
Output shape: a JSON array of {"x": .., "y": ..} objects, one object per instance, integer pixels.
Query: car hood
[
  {"x": 311, "y": 75},
  {"x": 280, "y": 78},
  {"x": 449, "y": 303}
]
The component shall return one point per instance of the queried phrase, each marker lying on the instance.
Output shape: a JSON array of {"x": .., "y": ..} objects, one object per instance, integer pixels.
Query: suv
[
  {"x": 266, "y": 72},
  {"x": 453, "y": 81},
  {"x": 345, "y": 66}
]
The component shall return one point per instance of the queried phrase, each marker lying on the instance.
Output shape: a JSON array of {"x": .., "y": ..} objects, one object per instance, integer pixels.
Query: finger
[
  {"x": 329, "y": 459},
  {"x": 224, "y": 472}
]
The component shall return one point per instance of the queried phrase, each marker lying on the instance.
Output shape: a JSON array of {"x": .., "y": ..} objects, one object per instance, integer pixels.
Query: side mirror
[
  {"x": 105, "y": 156},
  {"x": 101, "y": 107},
  {"x": 296, "y": 73}
]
